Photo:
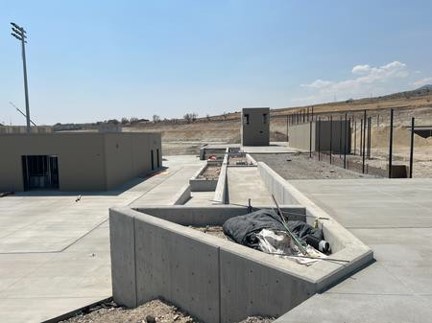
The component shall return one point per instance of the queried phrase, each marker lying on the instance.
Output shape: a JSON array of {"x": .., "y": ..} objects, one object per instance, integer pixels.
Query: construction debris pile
[{"x": 270, "y": 232}]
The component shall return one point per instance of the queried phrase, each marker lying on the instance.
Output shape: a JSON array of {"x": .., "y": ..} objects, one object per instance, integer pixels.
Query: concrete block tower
[{"x": 255, "y": 127}]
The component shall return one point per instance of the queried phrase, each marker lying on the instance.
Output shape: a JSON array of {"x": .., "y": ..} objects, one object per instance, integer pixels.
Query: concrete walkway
[
  {"x": 393, "y": 217},
  {"x": 201, "y": 199},
  {"x": 54, "y": 250},
  {"x": 245, "y": 183}
]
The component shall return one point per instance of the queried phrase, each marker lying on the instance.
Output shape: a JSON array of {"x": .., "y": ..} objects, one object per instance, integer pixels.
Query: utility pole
[{"x": 20, "y": 34}]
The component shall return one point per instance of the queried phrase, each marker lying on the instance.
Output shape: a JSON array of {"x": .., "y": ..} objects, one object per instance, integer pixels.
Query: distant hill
[{"x": 427, "y": 88}]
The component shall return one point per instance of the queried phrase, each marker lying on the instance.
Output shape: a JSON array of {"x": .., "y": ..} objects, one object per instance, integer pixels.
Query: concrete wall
[
  {"x": 299, "y": 136},
  {"x": 127, "y": 155},
  {"x": 202, "y": 184},
  {"x": 255, "y": 127},
  {"x": 221, "y": 191},
  {"x": 23, "y": 129},
  {"x": 80, "y": 159},
  {"x": 344, "y": 244},
  {"x": 155, "y": 254},
  {"x": 86, "y": 161},
  {"x": 213, "y": 279}
]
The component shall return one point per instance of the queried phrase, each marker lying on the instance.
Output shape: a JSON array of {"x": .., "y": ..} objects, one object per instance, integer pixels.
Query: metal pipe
[
  {"x": 369, "y": 137},
  {"x": 319, "y": 138},
  {"x": 310, "y": 139},
  {"x": 412, "y": 148},
  {"x": 345, "y": 140},
  {"x": 391, "y": 144},
  {"x": 364, "y": 140},
  {"x": 340, "y": 137},
  {"x": 361, "y": 137},
  {"x": 331, "y": 138},
  {"x": 355, "y": 136}
]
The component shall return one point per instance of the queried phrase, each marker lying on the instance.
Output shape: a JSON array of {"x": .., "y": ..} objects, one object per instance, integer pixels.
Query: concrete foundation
[
  {"x": 214, "y": 279},
  {"x": 202, "y": 184},
  {"x": 221, "y": 194}
]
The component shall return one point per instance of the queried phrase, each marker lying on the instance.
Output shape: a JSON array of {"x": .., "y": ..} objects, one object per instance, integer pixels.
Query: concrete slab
[
  {"x": 54, "y": 251},
  {"x": 275, "y": 147},
  {"x": 393, "y": 217},
  {"x": 245, "y": 183},
  {"x": 165, "y": 193},
  {"x": 201, "y": 198}
]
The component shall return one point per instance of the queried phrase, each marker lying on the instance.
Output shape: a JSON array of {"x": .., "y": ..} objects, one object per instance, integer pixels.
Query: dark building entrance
[{"x": 40, "y": 172}]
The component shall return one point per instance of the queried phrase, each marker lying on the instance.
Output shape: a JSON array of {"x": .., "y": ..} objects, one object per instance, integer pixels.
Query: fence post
[
  {"x": 412, "y": 148},
  {"x": 364, "y": 140},
  {"x": 355, "y": 136},
  {"x": 340, "y": 137},
  {"x": 331, "y": 138},
  {"x": 345, "y": 139},
  {"x": 369, "y": 136},
  {"x": 391, "y": 144},
  {"x": 319, "y": 138},
  {"x": 361, "y": 137},
  {"x": 310, "y": 139}
]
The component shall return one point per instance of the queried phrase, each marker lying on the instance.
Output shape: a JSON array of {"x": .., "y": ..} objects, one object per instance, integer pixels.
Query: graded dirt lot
[{"x": 299, "y": 166}]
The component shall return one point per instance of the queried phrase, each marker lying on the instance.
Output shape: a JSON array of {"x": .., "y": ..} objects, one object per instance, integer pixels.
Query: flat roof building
[{"x": 76, "y": 161}]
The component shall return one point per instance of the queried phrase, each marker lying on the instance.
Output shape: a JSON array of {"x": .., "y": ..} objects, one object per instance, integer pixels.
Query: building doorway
[
  {"x": 157, "y": 158},
  {"x": 40, "y": 172},
  {"x": 152, "y": 159}
]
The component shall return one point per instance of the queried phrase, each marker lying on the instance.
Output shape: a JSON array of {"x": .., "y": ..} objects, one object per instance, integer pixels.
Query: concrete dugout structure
[
  {"x": 76, "y": 161},
  {"x": 255, "y": 129},
  {"x": 336, "y": 134}
]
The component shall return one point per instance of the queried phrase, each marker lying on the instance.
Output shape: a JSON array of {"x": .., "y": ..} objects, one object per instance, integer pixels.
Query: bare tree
[
  {"x": 190, "y": 117},
  {"x": 156, "y": 118}
]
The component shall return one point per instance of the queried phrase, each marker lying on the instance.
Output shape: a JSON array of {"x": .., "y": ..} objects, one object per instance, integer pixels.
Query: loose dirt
[
  {"x": 216, "y": 231},
  {"x": 211, "y": 172},
  {"x": 156, "y": 311},
  {"x": 299, "y": 166}
]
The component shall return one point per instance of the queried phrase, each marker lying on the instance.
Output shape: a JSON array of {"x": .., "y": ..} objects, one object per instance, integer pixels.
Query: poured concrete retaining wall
[
  {"x": 250, "y": 160},
  {"x": 343, "y": 243},
  {"x": 213, "y": 279},
  {"x": 202, "y": 184},
  {"x": 217, "y": 280},
  {"x": 183, "y": 195},
  {"x": 221, "y": 192}
]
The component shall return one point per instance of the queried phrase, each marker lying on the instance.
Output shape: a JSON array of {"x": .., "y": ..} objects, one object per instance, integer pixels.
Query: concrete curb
[{"x": 221, "y": 194}]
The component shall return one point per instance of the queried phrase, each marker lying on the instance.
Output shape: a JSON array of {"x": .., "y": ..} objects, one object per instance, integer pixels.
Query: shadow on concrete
[{"x": 114, "y": 192}]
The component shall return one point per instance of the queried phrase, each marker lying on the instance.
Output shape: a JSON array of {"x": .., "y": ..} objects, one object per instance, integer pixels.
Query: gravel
[{"x": 299, "y": 166}]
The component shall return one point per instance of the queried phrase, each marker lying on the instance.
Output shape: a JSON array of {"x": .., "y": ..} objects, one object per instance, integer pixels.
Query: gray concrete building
[
  {"x": 321, "y": 135},
  {"x": 255, "y": 127},
  {"x": 76, "y": 161}
]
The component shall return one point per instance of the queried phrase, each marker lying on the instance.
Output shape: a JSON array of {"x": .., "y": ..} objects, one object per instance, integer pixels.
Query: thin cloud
[
  {"x": 367, "y": 81},
  {"x": 367, "y": 76}
]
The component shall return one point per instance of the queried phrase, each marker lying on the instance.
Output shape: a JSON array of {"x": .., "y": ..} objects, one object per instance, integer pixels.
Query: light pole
[{"x": 20, "y": 34}]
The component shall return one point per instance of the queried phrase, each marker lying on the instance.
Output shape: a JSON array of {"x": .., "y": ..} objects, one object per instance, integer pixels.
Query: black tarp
[{"x": 244, "y": 228}]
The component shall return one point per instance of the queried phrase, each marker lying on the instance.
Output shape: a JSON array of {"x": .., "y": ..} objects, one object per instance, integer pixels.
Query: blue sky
[{"x": 98, "y": 60}]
